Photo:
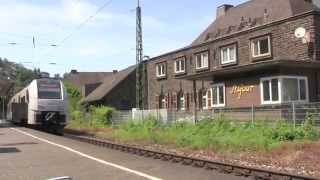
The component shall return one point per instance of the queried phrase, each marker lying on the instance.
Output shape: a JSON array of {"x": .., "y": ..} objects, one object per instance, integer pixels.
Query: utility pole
[{"x": 139, "y": 61}]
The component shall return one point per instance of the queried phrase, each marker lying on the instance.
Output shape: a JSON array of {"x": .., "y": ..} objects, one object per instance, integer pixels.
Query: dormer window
[
  {"x": 229, "y": 54},
  {"x": 202, "y": 60},
  {"x": 261, "y": 47},
  {"x": 180, "y": 65},
  {"x": 161, "y": 70}
]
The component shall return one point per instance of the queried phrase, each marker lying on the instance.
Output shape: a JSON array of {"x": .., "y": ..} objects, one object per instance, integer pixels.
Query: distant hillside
[{"x": 17, "y": 73}]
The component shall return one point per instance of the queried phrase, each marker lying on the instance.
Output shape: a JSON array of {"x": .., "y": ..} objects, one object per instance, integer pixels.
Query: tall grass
[
  {"x": 218, "y": 134},
  {"x": 94, "y": 117}
]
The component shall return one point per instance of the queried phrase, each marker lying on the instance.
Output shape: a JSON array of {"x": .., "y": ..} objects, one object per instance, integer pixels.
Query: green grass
[
  {"x": 219, "y": 134},
  {"x": 95, "y": 117}
]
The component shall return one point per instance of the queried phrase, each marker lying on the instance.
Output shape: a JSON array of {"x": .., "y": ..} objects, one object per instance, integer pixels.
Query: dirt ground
[{"x": 296, "y": 158}]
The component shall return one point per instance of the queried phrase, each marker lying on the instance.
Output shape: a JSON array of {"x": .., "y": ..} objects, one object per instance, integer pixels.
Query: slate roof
[
  {"x": 79, "y": 79},
  {"x": 254, "y": 13},
  {"x": 109, "y": 83}
]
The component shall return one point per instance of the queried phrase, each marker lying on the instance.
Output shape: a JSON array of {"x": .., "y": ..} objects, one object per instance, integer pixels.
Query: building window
[
  {"x": 180, "y": 65},
  {"x": 284, "y": 89},
  {"x": 270, "y": 91},
  {"x": 207, "y": 99},
  {"x": 229, "y": 54},
  {"x": 181, "y": 102},
  {"x": 218, "y": 95},
  {"x": 161, "y": 70},
  {"x": 294, "y": 89},
  {"x": 261, "y": 47},
  {"x": 163, "y": 102},
  {"x": 202, "y": 60}
]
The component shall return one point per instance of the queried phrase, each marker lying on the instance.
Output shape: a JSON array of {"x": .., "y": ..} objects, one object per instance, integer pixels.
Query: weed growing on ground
[{"x": 218, "y": 134}]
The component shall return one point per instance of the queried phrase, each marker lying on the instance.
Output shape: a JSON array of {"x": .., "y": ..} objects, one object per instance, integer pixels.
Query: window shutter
[
  {"x": 172, "y": 100},
  {"x": 157, "y": 102},
  {"x": 199, "y": 99},
  {"x": 175, "y": 103},
  {"x": 167, "y": 100},
  {"x": 204, "y": 100},
  {"x": 187, "y": 104},
  {"x": 209, "y": 98}
]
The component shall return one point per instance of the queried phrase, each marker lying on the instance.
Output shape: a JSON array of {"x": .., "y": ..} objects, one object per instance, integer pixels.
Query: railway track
[{"x": 199, "y": 163}]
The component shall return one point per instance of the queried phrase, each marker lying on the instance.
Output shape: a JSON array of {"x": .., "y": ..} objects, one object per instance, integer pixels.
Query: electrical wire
[
  {"x": 85, "y": 22},
  {"x": 81, "y": 25}
]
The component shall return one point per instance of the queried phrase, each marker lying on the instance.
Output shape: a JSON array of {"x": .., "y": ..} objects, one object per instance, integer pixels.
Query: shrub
[
  {"x": 219, "y": 134},
  {"x": 100, "y": 116}
]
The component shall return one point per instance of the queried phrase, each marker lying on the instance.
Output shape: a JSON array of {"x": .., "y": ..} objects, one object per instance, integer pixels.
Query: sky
[{"x": 104, "y": 43}]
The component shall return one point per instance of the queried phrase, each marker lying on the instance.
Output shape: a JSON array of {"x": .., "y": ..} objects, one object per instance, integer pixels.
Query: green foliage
[
  {"x": 100, "y": 116},
  {"x": 25, "y": 76},
  {"x": 17, "y": 73},
  {"x": 74, "y": 96},
  {"x": 219, "y": 134}
]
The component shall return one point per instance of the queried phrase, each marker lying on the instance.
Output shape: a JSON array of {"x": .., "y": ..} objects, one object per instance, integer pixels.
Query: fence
[{"x": 295, "y": 113}]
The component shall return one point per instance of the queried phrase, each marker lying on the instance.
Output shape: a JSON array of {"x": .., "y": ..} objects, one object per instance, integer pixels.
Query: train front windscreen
[{"x": 49, "y": 89}]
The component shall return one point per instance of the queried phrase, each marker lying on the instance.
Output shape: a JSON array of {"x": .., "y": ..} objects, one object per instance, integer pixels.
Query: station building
[{"x": 261, "y": 53}]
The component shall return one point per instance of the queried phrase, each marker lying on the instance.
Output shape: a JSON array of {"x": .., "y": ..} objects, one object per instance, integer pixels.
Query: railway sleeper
[
  {"x": 199, "y": 164},
  {"x": 226, "y": 169},
  {"x": 241, "y": 172},
  {"x": 177, "y": 159},
  {"x": 212, "y": 166},
  {"x": 149, "y": 154},
  {"x": 187, "y": 161},
  {"x": 280, "y": 177},
  {"x": 166, "y": 157},
  {"x": 142, "y": 152},
  {"x": 261, "y": 175},
  {"x": 158, "y": 156}
]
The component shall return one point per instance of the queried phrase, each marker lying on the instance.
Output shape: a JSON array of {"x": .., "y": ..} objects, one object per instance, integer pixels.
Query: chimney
[
  {"x": 115, "y": 71},
  {"x": 222, "y": 10}
]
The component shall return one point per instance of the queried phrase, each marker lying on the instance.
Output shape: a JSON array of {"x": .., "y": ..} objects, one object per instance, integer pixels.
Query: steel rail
[{"x": 222, "y": 167}]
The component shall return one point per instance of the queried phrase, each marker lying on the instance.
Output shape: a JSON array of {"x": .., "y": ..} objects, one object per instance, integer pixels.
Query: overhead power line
[
  {"x": 86, "y": 21},
  {"x": 81, "y": 25}
]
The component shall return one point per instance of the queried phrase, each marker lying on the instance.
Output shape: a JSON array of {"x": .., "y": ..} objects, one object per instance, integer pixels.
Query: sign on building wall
[{"x": 241, "y": 90}]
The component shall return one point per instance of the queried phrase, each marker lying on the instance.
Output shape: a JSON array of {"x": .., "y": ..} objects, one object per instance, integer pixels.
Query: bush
[
  {"x": 100, "y": 116},
  {"x": 219, "y": 134}
]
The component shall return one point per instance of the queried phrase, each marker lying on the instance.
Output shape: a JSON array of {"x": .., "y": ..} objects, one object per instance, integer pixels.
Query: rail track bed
[{"x": 222, "y": 167}]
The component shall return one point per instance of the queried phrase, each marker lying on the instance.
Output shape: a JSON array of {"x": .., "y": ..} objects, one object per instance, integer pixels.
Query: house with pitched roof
[
  {"x": 86, "y": 82},
  {"x": 116, "y": 90},
  {"x": 259, "y": 53}
]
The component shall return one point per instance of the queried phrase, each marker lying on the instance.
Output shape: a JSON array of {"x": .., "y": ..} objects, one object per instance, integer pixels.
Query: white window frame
[
  {"x": 162, "y": 72},
  {"x": 258, "y": 41},
  {"x": 182, "y": 105},
  {"x": 178, "y": 62},
  {"x": 204, "y": 61},
  {"x": 270, "y": 90},
  {"x": 207, "y": 105},
  {"x": 280, "y": 88},
  {"x": 218, "y": 99},
  {"x": 229, "y": 60}
]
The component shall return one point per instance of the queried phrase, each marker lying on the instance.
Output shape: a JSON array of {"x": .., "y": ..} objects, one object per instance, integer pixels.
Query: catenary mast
[{"x": 139, "y": 61}]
